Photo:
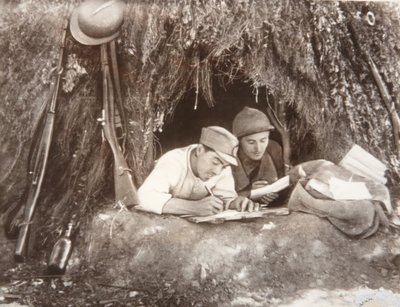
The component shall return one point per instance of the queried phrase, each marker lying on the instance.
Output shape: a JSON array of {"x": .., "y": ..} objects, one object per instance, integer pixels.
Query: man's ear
[{"x": 199, "y": 150}]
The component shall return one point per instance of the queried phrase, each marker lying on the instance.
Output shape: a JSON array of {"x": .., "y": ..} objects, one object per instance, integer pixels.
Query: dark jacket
[{"x": 270, "y": 168}]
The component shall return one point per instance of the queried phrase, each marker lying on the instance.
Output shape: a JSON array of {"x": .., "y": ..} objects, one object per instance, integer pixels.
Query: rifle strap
[
  {"x": 108, "y": 99},
  {"x": 117, "y": 86}
]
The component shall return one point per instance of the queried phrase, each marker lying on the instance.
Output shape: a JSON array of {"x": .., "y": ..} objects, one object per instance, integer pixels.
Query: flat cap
[{"x": 220, "y": 140}]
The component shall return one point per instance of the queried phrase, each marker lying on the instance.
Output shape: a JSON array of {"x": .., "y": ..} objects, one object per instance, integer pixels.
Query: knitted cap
[
  {"x": 220, "y": 140},
  {"x": 95, "y": 22},
  {"x": 250, "y": 121}
]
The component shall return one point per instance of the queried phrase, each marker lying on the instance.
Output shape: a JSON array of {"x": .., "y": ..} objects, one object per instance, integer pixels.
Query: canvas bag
[{"x": 355, "y": 218}]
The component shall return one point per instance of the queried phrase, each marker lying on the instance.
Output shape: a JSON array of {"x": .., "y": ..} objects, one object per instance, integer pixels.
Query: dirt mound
[
  {"x": 137, "y": 259},
  {"x": 265, "y": 259}
]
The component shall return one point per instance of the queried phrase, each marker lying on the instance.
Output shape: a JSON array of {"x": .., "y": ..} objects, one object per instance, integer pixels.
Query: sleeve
[
  {"x": 225, "y": 186},
  {"x": 155, "y": 191}
]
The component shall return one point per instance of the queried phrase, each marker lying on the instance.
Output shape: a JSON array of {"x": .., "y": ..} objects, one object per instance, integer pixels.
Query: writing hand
[{"x": 208, "y": 206}]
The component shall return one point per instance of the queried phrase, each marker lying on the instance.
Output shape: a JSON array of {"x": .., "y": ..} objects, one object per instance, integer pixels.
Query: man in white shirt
[{"x": 196, "y": 179}]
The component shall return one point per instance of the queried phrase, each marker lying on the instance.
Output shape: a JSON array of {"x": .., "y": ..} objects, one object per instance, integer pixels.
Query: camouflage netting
[{"x": 300, "y": 54}]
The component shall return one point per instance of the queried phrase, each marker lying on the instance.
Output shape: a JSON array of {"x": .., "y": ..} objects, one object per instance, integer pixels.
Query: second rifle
[{"x": 125, "y": 190}]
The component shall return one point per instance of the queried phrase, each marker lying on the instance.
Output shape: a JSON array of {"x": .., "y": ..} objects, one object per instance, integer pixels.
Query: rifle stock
[
  {"x": 41, "y": 157},
  {"x": 125, "y": 190}
]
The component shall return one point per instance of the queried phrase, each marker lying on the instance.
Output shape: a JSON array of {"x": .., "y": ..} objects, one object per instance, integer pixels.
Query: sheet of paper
[
  {"x": 342, "y": 190},
  {"x": 277, "y": 186},
  {"x": 320, "y": 187}
]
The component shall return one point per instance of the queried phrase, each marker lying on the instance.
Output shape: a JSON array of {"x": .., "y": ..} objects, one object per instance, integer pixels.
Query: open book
[
  {"x": 362, "y": 163},
  {"x": 233, "y": 215},
  {"x": 277, "y": 186}
]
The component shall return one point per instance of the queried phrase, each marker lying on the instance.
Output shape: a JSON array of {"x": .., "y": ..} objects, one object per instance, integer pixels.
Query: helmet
[
  {"x": 95, "y": 22},
  {"x": 250, "y": 121}
]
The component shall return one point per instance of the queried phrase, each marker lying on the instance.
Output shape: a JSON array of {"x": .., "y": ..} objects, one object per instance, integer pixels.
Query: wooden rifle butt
[{"x": 125, "y": 190}]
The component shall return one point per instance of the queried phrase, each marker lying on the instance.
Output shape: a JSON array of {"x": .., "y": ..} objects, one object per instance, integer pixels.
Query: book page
[
  {"x": 342, "y": 190},
  {"x": 277, "y": 186},
  {"x": 362, "y": 163},
  {"x": 320, "y": 187}
]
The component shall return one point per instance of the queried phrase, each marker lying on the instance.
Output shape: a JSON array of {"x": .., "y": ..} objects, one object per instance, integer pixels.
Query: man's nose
[
  {"x": 258, "y": 147},
  {"x": 216, "y": 170}
]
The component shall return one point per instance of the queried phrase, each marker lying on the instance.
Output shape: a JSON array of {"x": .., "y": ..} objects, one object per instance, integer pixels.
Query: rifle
[
  {"x": 383, "y": 90},
  {"x": 125, "y": 190},
  {"x": 40, "y": 154},
  {"x": 387, "y": 99}
]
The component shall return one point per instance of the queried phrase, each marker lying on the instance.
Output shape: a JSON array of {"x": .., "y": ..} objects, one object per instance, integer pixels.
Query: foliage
[{"x": 299, "y": 53}]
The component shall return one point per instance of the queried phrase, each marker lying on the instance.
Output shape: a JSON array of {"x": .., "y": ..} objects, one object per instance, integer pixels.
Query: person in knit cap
[
  {"x": 260, "y": 160},
  {"x": 195, "y": 180}
]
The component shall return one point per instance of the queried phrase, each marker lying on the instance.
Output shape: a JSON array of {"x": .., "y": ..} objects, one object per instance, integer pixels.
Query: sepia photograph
[{"x": 200, "y": 153}]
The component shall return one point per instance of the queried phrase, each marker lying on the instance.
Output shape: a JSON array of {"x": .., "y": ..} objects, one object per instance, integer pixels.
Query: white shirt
[{"x": 172, "y": 177}]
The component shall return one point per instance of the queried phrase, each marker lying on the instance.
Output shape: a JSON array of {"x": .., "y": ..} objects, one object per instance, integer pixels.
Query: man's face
[
  {"x": 208, "y": 164},
  {"x": 254, "y": 145}
]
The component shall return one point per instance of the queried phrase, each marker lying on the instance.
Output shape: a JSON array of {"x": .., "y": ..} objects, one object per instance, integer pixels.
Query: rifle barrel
[{"x": 34, "y": 189}]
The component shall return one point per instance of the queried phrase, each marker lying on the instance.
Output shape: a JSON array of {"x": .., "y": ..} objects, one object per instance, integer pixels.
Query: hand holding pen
[
  {"x": 240, "y": 203},
  {"x": 216, "y": 201}
]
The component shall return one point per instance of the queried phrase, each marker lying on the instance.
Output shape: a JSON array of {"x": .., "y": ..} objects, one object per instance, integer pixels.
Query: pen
[
  {"x": 212, "y": 194},
  {"x": 209, "y": 190}
]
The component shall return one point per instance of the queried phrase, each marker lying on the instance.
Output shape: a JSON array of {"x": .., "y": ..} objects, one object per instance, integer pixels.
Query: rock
[
  {"x": 319, "y": 248},
  {"x": 396, "y": 261},
  {"x": 203, "y": 274},
  {"x": 376, "y": 253},
  {"x": 195, "y": 284},
  {"x": 384, "y": 272},
  {"x": 364, "y": 277}
]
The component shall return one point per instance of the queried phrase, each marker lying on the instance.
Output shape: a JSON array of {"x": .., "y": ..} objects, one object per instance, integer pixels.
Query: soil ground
[{"x": 139, "y": 259}]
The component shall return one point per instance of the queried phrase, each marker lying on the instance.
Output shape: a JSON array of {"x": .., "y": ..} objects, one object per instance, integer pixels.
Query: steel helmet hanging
[{"x": 95, "y": 22}]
